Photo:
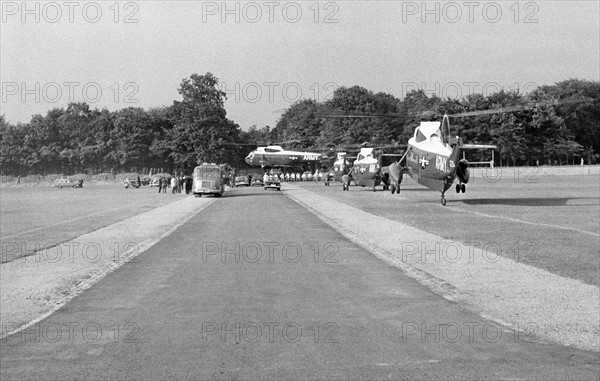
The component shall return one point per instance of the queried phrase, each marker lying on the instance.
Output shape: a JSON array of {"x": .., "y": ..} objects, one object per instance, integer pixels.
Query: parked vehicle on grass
[
  {"x": 67, "y": 183},
  {"x": 130, "y": 183}
]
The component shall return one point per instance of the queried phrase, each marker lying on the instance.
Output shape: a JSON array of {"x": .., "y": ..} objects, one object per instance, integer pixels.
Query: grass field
[
  {"x": 42, "y": 216},
  {"x": 551, "y": 222}
]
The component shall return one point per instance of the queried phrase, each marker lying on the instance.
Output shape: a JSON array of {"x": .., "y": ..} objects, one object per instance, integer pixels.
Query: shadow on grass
[{"x": 561, "y": 201}]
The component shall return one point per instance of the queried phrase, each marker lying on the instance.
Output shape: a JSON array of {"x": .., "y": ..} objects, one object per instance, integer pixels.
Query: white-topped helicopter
[
  {"x": 433, "y": 159},
  {"x": 276, "y": 156}
]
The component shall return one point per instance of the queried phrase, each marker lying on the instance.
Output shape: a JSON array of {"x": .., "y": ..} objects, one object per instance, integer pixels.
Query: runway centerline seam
[{"x": 526, "y": 222}]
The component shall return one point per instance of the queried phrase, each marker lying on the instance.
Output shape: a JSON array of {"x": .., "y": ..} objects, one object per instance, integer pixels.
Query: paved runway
[{"x": 256, "y": 287}]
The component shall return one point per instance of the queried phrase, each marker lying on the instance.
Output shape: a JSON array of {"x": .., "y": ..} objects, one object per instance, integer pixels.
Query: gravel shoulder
[
  {"x": 35, "y": 286},
  {"x": 523, "y": 297}
]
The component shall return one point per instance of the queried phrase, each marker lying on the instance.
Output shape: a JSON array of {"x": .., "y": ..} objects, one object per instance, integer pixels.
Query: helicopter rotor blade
[
  {"x": 365, "y": 116},
  {"x": 401, "y": 146},
  {"x": 261, "y": 144},
  {"x": 429, "y": 115},
  {"x": 507, "y": 109},
  {"x": 488, "y": 112}
]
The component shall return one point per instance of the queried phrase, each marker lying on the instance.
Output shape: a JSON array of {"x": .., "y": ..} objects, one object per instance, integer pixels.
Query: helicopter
[
  {"x": 276, "y": 156},
  {"x": 366, "y": 169},
  {"x": 341, "y": 166},
  {"x": 433, "y": 159},
  {"x": 272, "y": 155}
]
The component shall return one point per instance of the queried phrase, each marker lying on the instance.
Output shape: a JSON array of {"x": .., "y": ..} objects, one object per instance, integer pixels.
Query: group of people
[
  {"x": 290, "y": 176},
  {"x": 177, "y": 184},
  {"x": 297, "y": 176}
]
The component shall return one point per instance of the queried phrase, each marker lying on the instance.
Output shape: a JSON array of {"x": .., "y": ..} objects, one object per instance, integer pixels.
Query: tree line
[
  {"x": 196, "y": 129},
  {"x": 79, "y": 139}
]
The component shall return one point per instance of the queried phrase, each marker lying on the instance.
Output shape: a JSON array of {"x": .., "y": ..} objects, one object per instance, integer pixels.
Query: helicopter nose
[{"x": 249, "y": 158}]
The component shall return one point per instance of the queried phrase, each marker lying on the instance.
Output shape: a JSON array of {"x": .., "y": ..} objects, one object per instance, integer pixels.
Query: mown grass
[{"x": 552, "y": 222}]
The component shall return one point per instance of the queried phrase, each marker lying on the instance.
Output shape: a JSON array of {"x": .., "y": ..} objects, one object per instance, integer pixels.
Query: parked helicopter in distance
[
  {"x": 366, "y": 169},
  {"x": 276, "y": 156},
  {"x": 341, "y": 166}
]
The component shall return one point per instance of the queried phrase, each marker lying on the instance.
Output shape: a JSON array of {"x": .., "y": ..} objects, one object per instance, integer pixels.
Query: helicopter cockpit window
[
  {"x": 435, "y": 138},
  {"x": 419, "y": 137},
  {"x": 271, "y": 150}
]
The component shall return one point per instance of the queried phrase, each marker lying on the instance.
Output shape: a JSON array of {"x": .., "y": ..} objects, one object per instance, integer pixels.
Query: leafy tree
[
  {"x": 18, "y": 150},
  {"x": 99, "y": 153},
  {"x": 256, "y": 135},
  {"x": 159, "y": 148},
  {"x": 131, "y": 137},
  {"x": 358, "y": 100},
  {"x": 201, "y": 130},
  {"x": 50, "y": 139},
  {"x": 582, "y": 119},
  {"x": 300, "y": 122}
]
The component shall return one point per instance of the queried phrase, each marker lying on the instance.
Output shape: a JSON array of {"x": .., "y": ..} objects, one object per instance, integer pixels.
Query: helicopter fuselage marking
[
  {"x": 311, "y": 157},
  {"x": 441, "y": 163}
]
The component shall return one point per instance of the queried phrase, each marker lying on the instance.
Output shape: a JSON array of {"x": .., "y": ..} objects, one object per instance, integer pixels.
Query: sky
[{"x": 269, "y": 54}]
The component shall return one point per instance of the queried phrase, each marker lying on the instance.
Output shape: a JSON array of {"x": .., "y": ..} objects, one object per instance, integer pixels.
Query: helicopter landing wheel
[
  {"x": 463, "y": 188},
  {"x": 443, "y": 200},
  {"x": 457, "y": 188}
]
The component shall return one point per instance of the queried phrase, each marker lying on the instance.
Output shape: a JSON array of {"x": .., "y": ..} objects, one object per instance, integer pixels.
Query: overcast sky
[{"x": 269, "y": 54}]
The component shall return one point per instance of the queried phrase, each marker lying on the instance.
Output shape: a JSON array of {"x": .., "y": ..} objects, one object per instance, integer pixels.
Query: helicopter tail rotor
[{"x": 329, "y": 151}]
